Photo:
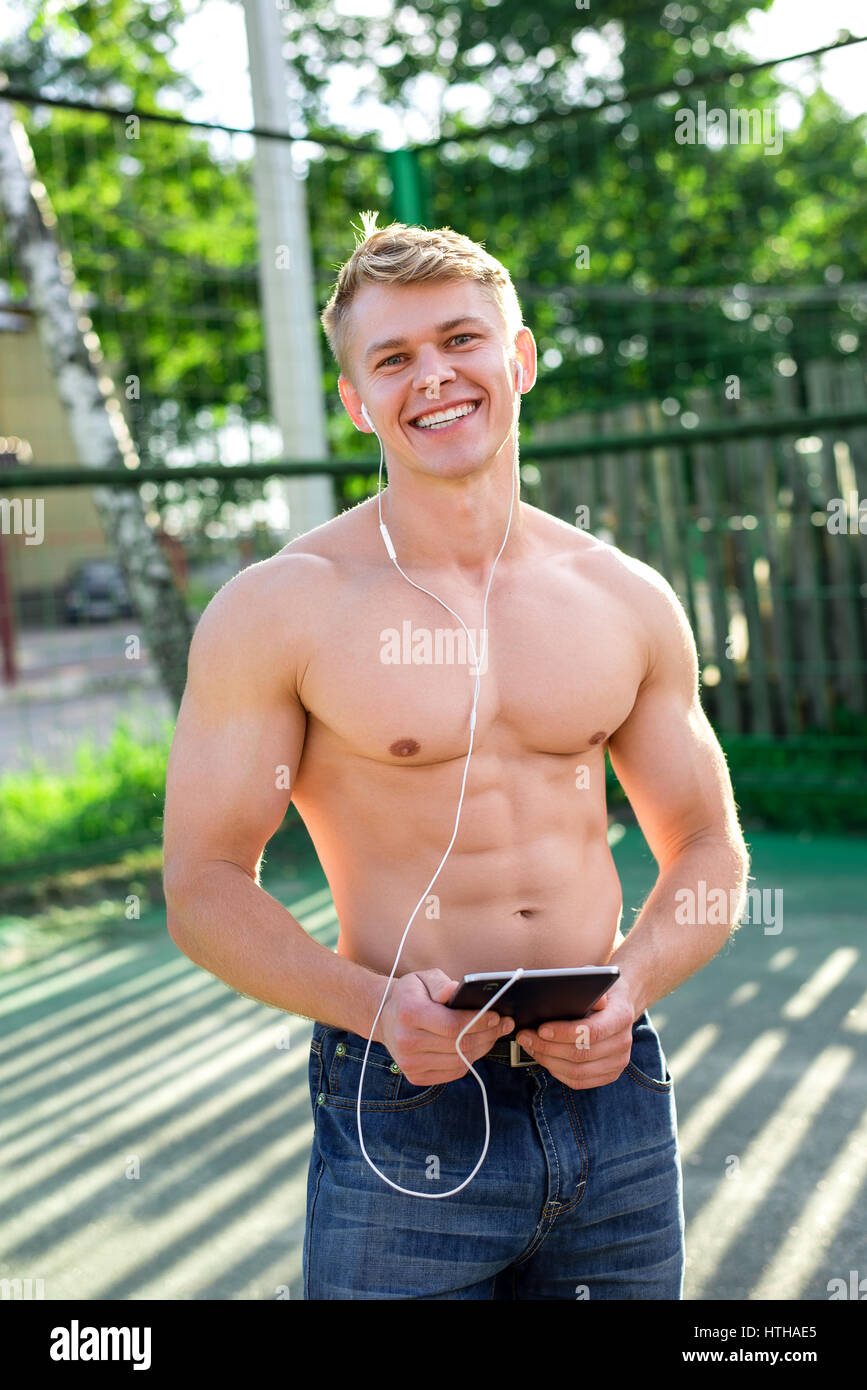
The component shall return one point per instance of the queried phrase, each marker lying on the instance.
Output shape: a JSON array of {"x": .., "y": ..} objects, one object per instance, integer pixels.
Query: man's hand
[
  {"x": 419, "y": 1031},
  {"x": 592, "y": 1051}
]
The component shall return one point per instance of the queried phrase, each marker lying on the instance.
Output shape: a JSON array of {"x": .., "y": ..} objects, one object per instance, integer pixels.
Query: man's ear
[
  {"x": 525, "y": 350},
  {"x": 352, "y": 402}
]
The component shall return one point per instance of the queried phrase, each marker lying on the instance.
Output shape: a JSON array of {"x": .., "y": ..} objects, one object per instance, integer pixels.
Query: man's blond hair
[{"x": 403, "y": 255}]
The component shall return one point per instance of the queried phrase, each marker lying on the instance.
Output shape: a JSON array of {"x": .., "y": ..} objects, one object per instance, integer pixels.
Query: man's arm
[
  {"x": 674, "y": 773},
  {"x": 237, "y": 744},
  {"x": 670, "y": 764}
]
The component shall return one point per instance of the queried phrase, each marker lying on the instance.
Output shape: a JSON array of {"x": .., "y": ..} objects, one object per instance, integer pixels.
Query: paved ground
[
  {"x": 156, "y": 1126},
  {"x": 74, "y": 682}
]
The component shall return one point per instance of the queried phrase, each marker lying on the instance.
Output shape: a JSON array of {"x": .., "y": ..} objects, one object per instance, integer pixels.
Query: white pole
[{"x": 286, "y": 275}]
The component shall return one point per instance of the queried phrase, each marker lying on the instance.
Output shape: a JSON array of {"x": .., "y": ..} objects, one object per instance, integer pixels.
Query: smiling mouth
[{"x": 448, "y": 424}]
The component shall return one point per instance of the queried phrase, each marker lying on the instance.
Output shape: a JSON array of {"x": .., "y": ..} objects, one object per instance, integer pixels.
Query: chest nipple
[{"x": 404, "y": 748}]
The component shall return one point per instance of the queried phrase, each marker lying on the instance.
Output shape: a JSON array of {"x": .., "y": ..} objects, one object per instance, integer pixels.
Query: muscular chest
[{"x": 393, "y": 675}]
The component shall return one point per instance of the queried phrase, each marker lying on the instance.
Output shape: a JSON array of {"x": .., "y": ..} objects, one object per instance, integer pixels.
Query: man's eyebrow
[{"x": 440, "y": 328}]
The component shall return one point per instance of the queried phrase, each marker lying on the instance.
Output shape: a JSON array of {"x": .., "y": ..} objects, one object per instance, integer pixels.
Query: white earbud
[
  {"x": 520, "y": 375},
  {"x": 367, "y": 417}
]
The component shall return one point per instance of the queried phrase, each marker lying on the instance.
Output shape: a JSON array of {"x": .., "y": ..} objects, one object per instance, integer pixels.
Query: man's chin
[{"x": 445, "y": 463}]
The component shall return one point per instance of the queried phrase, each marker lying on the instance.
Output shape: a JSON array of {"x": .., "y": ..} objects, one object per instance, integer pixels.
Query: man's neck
[{"x": 454, "y": 526}]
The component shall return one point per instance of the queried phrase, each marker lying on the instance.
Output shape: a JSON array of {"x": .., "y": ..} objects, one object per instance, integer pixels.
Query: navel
[
  {"x": 404, "y": 748},
  {"x": 600, "y": 737}
]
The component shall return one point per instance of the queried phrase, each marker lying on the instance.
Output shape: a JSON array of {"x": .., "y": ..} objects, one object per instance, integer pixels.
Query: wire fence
[{"x": 646, "y": 263}]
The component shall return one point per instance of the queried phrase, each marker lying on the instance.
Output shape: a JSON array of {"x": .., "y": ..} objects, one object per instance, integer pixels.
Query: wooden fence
[{"x": 759, "y": 536}]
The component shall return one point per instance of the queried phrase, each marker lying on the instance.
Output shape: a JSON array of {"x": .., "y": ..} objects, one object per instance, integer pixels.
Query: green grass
[{"x": 112, "y": 794}]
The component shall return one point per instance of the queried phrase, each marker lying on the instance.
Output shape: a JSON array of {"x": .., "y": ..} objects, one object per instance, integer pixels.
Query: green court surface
[{"x": 155, "y": 1125}]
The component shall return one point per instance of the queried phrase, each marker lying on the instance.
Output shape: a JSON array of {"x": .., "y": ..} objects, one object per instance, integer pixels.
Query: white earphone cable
[{"x": 411, "y": 1192}]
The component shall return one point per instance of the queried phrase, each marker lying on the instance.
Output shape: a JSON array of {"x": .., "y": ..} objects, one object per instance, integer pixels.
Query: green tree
[{"x": 163, "y": 228}]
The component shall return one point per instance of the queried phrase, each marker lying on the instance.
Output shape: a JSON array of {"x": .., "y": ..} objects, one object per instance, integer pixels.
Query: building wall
[{"x": 30, "y": 408}]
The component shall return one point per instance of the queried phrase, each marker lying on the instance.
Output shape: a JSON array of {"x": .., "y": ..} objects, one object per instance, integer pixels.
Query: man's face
[{"x": 418, "y": 350}]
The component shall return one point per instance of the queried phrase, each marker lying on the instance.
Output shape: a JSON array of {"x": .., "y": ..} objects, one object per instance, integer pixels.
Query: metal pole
[
  {"x": 286, "y": 276},
  {"x": 7, "y": 623},
  {"x": 407, "y": 190}
]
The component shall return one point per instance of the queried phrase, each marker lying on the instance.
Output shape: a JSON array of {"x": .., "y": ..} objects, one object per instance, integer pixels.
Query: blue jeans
[{"x": 579, "y": 1196}]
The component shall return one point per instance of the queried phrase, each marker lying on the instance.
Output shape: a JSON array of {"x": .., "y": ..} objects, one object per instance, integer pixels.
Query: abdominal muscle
[{"x": 529, "y": 882}]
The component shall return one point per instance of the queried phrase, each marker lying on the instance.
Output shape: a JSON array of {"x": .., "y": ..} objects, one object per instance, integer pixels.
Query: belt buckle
[{"x": 515, "y": 1049}]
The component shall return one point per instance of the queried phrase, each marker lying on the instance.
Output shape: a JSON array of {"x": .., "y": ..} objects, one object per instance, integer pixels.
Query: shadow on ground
[{"x": 156, "y": 1126}]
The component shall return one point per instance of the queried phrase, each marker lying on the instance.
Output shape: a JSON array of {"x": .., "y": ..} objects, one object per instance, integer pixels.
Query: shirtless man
[{"x": 292, "y": 693}]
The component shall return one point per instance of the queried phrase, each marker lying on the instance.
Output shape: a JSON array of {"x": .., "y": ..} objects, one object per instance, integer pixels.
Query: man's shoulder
[
  {"x": 254, "y": 592},
  {"x": 264, "y": 609},
  {"x": 343, "y": 536},
  {"x": 308, "y": 561},
  {"x": 281, "y": 597},
  {"x": 630, "y": 592},
  {"x": 601, "y": 558}
]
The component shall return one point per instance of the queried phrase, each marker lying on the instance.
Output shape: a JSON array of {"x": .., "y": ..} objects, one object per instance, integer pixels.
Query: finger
[
  {"x": 438, "y": 985},
  {"x": 480, "y": 1038},
  {"x": 448, "y": 1023},
  {"x": 441, "y": 989},
  {"x": 474, "y": 1049},
  {"x": 579, "y": 1034},
  {"x": 590, "y": 1029},
  {"x": 436, "y": 1076},
  {"x": 448, "y": 1065},
  {"x": 437, "y": 1019},
  {"x": 484, "y": 1047},
  {"x": 574, "y": 1052},
  {"x": 586, "y": 1078},
  {"x": 563, "y": 1031}
]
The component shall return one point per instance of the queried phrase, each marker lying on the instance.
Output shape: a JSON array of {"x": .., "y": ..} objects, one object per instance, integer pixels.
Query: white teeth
[{"x": 432, "y": 422}]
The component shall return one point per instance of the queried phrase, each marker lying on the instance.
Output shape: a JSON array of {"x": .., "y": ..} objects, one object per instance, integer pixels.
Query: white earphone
[{"x": 515, "y": 975}]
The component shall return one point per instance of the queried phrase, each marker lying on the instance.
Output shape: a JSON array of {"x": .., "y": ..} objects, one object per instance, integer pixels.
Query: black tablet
[{"x": 539, "y": 996}]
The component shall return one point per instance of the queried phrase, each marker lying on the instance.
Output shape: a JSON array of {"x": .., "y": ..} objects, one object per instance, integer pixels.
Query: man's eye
[{"x": 397, "y": 355}]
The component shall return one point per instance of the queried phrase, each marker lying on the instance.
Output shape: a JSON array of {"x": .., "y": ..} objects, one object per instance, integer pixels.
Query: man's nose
[{"x": 432, "y": 375}]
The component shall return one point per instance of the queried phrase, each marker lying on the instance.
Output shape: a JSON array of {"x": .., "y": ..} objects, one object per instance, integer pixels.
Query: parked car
[{"x": 96, "y": 590}]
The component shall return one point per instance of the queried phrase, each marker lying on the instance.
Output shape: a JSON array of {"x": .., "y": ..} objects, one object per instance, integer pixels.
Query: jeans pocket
[
  {"x": 647, "y": 1065},
  {"x": 384, "y": 1085}
]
